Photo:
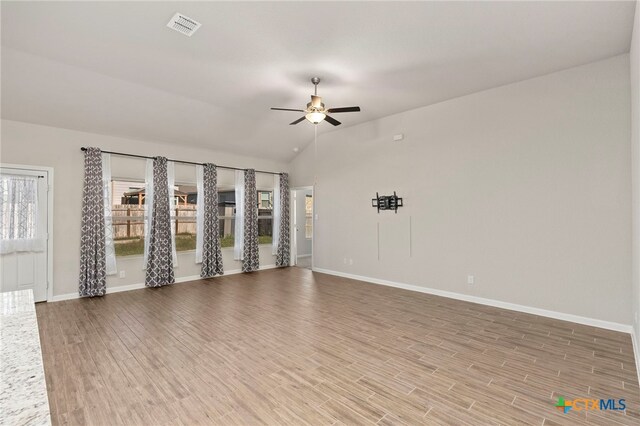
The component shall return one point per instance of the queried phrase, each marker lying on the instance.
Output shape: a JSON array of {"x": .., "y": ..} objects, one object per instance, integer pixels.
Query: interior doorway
[
  {"x": 25, "y": 243},
  {"x": 302, "y": 215}
]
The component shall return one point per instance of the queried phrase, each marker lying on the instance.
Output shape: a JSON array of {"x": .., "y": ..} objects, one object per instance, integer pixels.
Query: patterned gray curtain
[
  {"x": 93, "y": 260},
  {"x": 250, "y": 260},
  {"x": 211, "y": 251},
  {"x": 283, "y": 255},
  {"x": 160, "y": 259}
]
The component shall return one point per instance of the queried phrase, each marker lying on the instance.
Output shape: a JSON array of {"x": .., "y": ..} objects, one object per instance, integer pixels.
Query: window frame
[
  {"x": 259, "y": 191},
  {"x": 141, "y": 220},
  {"x": 174, "y": 217},
  {"x": 308, "y": 236},
  {"x": 137, "y": 220},
  {"x": 227, "y": 188}
]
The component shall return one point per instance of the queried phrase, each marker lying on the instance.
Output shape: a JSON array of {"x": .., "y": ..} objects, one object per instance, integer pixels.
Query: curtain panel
[
  {"x": 238, "y": 239},
  {"x": 250, "y": 258},
  {"x": 208, "y": 249},
  {"x": 171, "y": 181},
  {"x": 199, "y": 212},
  {"x": 159, "y": 257},
  {"x": 148, "y": 209},
  {"x": 93, "y": 274},
  {"x": 275, "y": 231},
  {"x": 283, "y": 254},
  {"x": 19, "y": 214},
  {"x": 109, "y": 246}
]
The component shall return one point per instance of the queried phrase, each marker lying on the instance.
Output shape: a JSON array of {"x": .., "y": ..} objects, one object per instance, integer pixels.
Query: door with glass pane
[
  {"x": 23, "y": 231},
  {"x": 302, "y": 214}
]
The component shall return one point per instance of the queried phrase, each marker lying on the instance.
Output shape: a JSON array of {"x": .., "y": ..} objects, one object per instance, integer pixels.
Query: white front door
[{"x": 24, "y": 265}]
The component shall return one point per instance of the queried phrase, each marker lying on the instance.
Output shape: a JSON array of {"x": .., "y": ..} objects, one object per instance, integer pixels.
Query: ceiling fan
[{"x": 316, "y": 111}]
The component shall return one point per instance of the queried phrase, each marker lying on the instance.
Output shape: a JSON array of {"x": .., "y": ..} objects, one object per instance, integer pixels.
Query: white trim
[
  {"x": 636, "y": 352},
  {"x": 62, "y": 297},
  {"x": 49, "y": 172},
  {"x": 138, "y": 286},
  {"x": 293, "y": 219},
  {"x": 293, "y": 234},
  {"x": 304, "y": 255},
  {"x": 625, "y": 328}
]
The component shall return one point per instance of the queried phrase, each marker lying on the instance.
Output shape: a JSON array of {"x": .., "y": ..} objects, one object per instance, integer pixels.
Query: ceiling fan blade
[
  {"x": 332, "y": 120},
  {"x": 345, "y": 109},
  {"x": 287, "y": 109},
  {"x": 316, "y": 101},
  {"x": 297, "y": 121}
]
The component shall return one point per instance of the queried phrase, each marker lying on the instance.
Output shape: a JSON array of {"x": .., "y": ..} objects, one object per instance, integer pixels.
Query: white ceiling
[{"x": 115, "y": 68}]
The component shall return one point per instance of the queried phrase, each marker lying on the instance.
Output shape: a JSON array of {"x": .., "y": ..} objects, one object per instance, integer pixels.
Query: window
[
  {"x": 127, "y": 212},
  {"x": 18, "y": 213},
  {"x": 265, "y": 217},
  {"x": 184, "y": 216},
  {"x": 308, "y": 217},
  {"x": 265, "y": 199},
  {"x": 226, "y": 215},
  {"x": 18, "y": 207},
  {"x": 128, "y": 200}
]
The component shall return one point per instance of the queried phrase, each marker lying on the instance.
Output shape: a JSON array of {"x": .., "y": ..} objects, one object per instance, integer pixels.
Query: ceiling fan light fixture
[
  {"x": 315, "y": 117},
  {"x": 316, "y": 112}
]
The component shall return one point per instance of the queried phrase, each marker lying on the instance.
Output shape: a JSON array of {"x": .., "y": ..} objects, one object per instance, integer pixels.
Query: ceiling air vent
[{"x": 183, "y": 24}]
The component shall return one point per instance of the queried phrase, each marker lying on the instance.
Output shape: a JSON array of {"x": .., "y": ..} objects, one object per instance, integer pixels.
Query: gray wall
[
  {"x": 303, "y": 244},
  {"x": 526, "y": 186},
  {"x": 635, "y": 142},
  {"x": 31, "y": 144}
]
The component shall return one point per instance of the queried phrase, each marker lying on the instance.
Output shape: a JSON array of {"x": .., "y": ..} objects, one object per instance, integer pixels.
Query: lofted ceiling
[{"x": 115, "y": 68}]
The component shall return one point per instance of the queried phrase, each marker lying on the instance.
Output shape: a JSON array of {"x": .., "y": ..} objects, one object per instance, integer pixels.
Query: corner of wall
[{"x": 634, "y": 72}]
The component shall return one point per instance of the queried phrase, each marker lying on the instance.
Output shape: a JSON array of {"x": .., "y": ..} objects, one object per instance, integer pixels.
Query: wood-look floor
[{"x": 290, "y": 346}]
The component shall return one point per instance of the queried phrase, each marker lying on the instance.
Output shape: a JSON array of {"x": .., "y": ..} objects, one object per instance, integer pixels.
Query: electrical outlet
[
  {"x": 122, "y": 274},
  {"x": 350, "y": 261},
  {"x": 345, "y": 260},
  {"x": 470, "y": 279}
]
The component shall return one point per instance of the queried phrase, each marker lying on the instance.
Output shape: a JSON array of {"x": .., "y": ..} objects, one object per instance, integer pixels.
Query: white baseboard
[
  {"x": 138, "y": 286},
  {"x": 61, "y": 297},
  {"x": 489, "y": 302},
  {"x": 303, "y": 255}
]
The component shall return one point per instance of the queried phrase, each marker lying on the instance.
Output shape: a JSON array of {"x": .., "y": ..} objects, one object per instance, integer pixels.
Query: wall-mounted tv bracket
[{"x": 387, "y": 202}]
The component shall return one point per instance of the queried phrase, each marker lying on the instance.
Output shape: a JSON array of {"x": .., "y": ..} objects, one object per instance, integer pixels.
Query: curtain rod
[{"x": 179, "y": 161}]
